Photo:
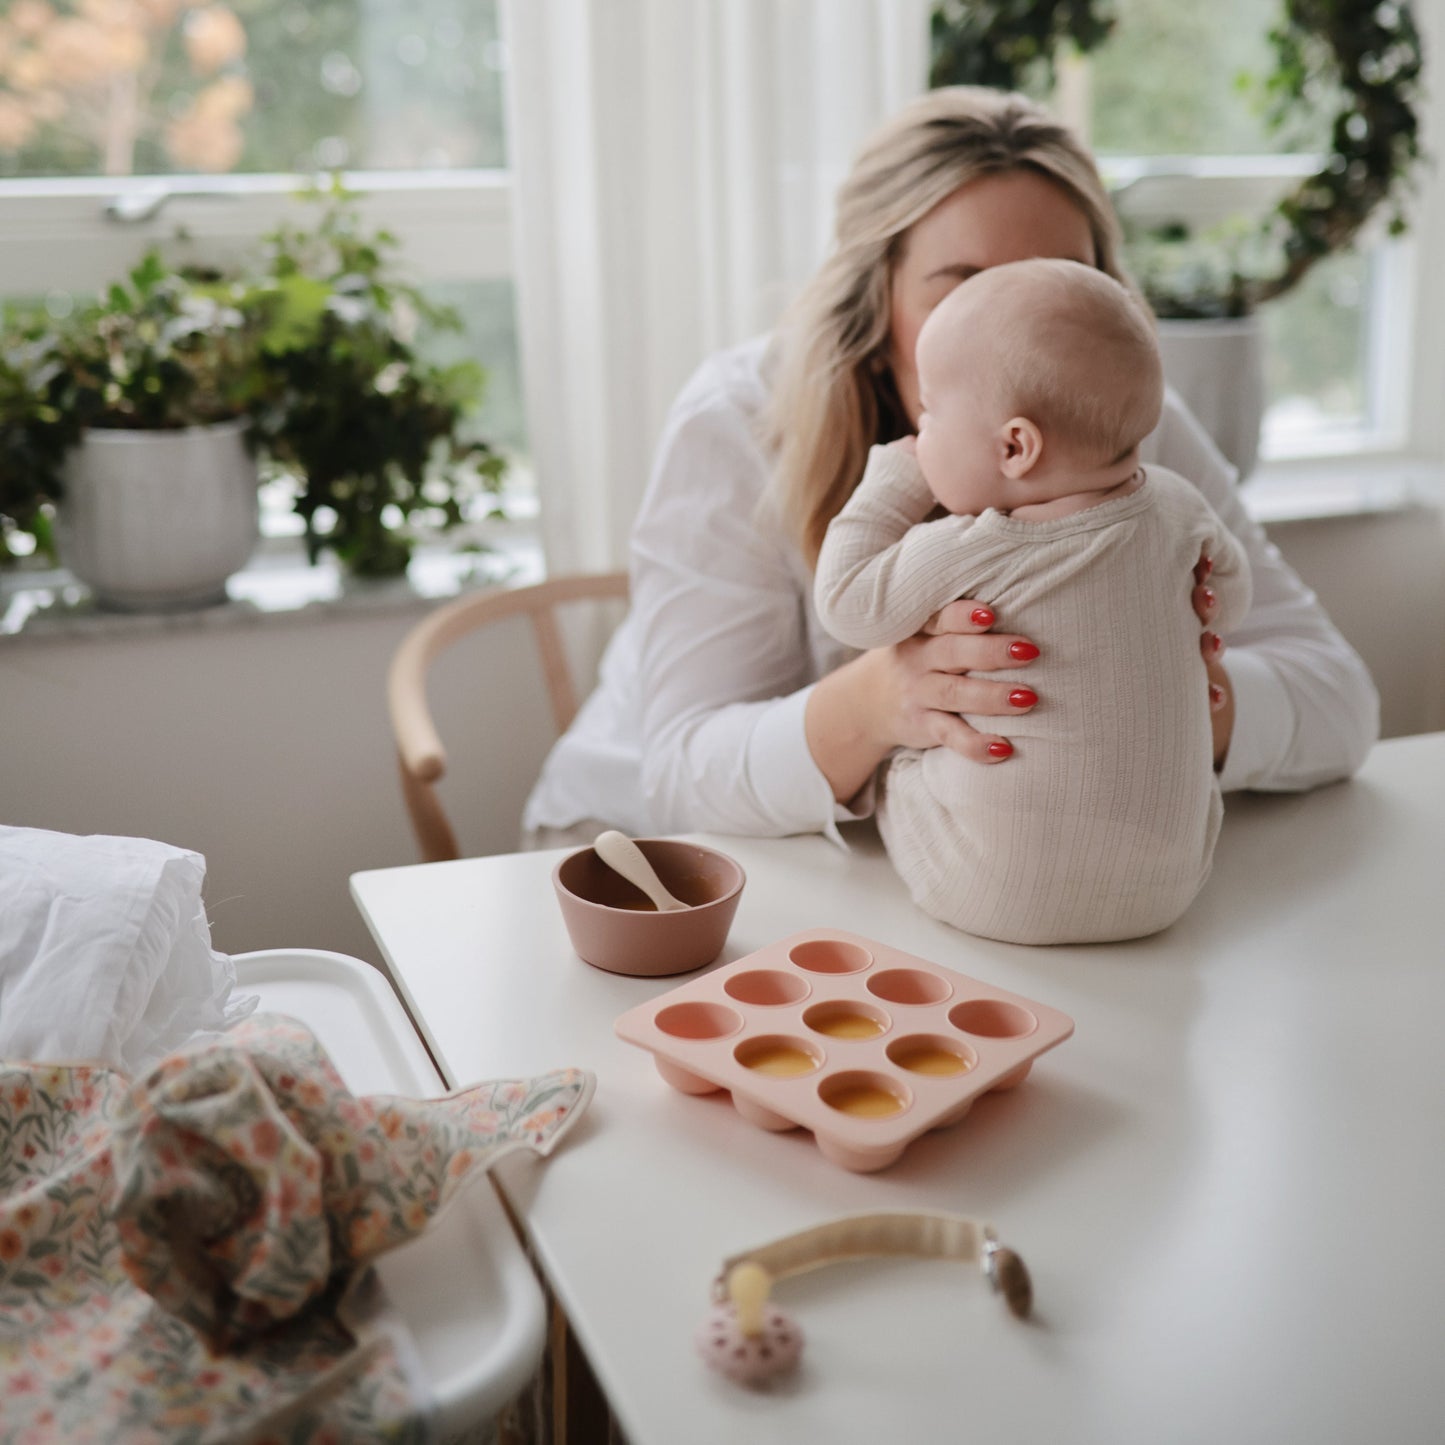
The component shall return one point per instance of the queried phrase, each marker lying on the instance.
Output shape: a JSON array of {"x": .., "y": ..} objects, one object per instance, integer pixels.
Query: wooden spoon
[{"x": 623, "y": 856}]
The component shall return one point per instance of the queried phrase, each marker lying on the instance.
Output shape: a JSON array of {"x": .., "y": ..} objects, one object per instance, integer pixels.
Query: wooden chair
[{"x": 420, "y": 753}]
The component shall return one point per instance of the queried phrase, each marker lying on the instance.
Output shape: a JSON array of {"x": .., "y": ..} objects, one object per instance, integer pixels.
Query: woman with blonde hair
[{"x": 722, "y": 704}]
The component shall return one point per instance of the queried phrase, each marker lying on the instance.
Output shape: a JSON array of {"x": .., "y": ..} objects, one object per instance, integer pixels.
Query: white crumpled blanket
[{"x": 105, "y": 951}]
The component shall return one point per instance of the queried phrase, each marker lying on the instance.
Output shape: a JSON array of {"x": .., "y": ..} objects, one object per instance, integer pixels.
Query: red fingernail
[
  {"x": 1216, "y": 696},
  {"x": 1000, "y": 750},
  {"x": 1209, "y": 598},
  {"x": 1023, "y": 651},
  {"x": 981, "y": 617},
  {"x": 1214, "y": 642},
  {"x": 1023, "y": 697},
  {"x": 1203, "y": 568}
]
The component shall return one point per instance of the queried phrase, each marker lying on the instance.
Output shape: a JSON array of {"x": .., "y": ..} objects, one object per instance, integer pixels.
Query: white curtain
[{"x": 674, "y": 165}]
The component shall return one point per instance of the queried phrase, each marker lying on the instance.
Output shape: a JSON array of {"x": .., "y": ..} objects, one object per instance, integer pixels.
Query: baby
[{"x": 1039, "y": 380}]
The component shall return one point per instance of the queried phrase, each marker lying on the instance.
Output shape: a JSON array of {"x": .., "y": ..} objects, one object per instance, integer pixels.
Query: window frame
[
  {"x": 1205, "y": 190},
  {"x": 78, "y": 233},
  {"x": 1406, "y": 323},
  {"x": 66, "y": 234}
]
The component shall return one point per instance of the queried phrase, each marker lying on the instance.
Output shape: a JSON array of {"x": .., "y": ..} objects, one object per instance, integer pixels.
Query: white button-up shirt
[{"x": 697, "y": 720}]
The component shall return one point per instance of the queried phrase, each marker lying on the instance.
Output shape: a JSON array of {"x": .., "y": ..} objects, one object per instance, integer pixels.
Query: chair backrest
[{"x": 420, "y": 755}]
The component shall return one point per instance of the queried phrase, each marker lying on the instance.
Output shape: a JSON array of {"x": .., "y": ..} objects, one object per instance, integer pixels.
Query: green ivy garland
[
  {"x": 1368, "y": 51},
  {"x": 998, "y": 42}
]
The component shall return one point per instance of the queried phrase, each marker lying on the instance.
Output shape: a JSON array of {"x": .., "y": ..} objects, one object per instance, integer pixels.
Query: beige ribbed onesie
[{"x": 1103, "y": 822}]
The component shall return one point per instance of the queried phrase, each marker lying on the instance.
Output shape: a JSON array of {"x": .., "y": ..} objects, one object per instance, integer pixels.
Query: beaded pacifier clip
[{"x": 749, "y": 1339}]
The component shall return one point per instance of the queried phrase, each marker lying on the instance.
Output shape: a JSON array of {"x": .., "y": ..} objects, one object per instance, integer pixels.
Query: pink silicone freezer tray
[{"x": 864, "y": 1099}]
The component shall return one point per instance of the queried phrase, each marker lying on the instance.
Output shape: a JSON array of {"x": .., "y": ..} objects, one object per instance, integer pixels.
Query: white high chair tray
[{"x": 464, "y": 1285}]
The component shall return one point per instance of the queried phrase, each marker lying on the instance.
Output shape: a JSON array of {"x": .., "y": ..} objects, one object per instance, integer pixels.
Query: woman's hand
[
  {"x": 932, "y": 700},
  {"x": 930, "y": 679},
  {"x": 910, "y": 695},
  {"x": 1211, "y": 648}
]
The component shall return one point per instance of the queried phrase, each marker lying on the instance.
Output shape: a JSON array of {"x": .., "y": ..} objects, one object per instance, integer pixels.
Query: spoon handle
[{"x": 623, "y": 856}]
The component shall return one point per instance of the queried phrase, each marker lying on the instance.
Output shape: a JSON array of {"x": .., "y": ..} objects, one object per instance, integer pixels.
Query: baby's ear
[{"x": 1020, "y": 444}]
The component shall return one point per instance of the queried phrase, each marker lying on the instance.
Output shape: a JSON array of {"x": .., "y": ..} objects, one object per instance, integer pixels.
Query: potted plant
[
  {"x": 375, "y": 436},
  {"x": 134, "y": 411},
  {"x": 1206, "y": 287},
  {"x": 36, "y": 432},
  {"x": 1210, "y": 337},
  {"x": 131, "y": 432}
]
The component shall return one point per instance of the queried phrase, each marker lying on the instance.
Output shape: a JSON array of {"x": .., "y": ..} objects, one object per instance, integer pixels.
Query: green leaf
[
  {"x": 149, "y": 273},
  {"x": 294, "y": 308}
]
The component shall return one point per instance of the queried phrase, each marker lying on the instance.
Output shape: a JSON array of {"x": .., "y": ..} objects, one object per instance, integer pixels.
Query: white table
[{"x": 1229, "y": 1185}]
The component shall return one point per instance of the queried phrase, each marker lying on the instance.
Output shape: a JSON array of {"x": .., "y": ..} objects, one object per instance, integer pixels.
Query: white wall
[
  {"x": 266, "y": 745},
  {"x": 1381, "y": 578}
]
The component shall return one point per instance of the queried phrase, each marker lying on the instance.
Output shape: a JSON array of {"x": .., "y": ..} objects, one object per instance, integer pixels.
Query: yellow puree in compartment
[
  {"x": 933, "y": 1061},
  {"x": 849, "y": 1026},
  {"x": 866, "y": 1102},
  {"x": 781, "y": 1062}
]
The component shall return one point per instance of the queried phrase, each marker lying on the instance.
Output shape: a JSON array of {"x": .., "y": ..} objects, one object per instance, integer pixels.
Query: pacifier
[
  {"x": 745, "y": 1336},
  {"x": 748, "y": 1338}
]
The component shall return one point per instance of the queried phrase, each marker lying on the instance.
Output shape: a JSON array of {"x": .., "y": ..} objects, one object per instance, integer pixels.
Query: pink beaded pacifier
[{"x": 750, "y": 1340}]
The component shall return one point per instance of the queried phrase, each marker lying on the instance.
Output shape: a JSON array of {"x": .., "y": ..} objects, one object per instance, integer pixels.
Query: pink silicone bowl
[{"x": 613, "y": 926}]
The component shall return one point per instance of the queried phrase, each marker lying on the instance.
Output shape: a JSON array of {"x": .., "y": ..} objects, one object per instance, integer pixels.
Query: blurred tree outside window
[
  {"x": 159, "y": 87},
  {"x": 111, "y": 88}
]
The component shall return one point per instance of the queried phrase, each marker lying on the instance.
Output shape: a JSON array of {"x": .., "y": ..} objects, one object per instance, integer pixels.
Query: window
[
  {"x": 1171, "y": 106},
  {"x": 185, "y": 123}
]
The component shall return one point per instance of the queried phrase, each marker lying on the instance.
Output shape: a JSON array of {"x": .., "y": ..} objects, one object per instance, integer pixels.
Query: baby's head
[{"x": 1038, "y": 379}]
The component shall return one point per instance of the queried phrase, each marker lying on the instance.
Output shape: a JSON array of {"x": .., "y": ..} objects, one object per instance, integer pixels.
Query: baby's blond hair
[
  {"x": 1072, "y": 350},
  {"x": 834, "y": 394}
]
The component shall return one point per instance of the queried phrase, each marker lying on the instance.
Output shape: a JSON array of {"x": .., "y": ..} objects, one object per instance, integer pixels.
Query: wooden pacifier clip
[{"x": 749, "y": 1339}]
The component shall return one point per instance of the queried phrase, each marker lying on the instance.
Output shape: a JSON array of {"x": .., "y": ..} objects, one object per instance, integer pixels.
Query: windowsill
[
  {"x": 1321, "y": 489},
  {"x": 280, "y": 585},
  {"x": 277, "y": 586}
]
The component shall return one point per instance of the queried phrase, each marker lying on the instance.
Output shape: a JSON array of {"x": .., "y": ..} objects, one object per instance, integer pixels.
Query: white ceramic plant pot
[
  {"x": 1218, "y": 369},
  {"x": 154, "y": 520}
]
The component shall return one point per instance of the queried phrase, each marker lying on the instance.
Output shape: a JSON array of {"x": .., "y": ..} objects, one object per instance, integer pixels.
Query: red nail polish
[
  {"x": 1214, "y": 642},
  {"x": 981, "y": 617},
  {"x": 1000, "y": 750},
  {"x": 1203, "y": 569},
  {"x": 1023, "y": 651},
  {"x": 1209, "y": 598},
  {"x": 1023, "y": 697},
  {"x": 1216, "y": 696}
]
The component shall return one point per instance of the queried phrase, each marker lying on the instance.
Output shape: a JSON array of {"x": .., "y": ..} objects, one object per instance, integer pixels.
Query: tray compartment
[
  {"x": 912, "y": 987},
  {"x": 767, "y": 987},
  {"x": 830, "y": 955},
  {"x": 993, "y": 1018},
  {"x": 847, "y": 1020}
]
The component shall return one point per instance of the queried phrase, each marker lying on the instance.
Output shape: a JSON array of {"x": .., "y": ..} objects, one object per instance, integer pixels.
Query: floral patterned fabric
[{"x": 179, "y": 1255}]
